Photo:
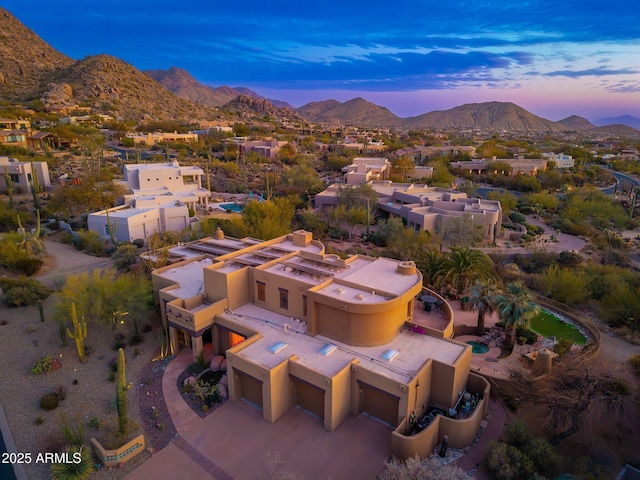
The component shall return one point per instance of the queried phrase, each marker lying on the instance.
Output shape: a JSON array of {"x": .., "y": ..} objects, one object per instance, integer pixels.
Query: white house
[
  {"x": 23, "y": 174},
  {"x": 160, "y": 199}
]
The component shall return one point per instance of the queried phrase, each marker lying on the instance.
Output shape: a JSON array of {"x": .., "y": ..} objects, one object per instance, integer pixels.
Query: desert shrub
[
  {"x": 511, "y": 403},
  {"x": 125, "y": 256},
  {"x": 45, "y": 364},
  {"x": 72, "y": 470},
  {"x": 20, "y": 292},
  {"x": 569, "y": 259},
  {"x": 73, "y": 431},
  {"x": 49, "y": 402},
  {"x": 530, "y": 337},
  {"x": 634, "y": 363},
  {"x": 138, "y": 242},
  {"x": 517, "y": 217},
  {"x": 90, "y": 242},
  {"x": 414, "y": 468},
  {"x": 507, "y": 462},
  {"x": 198, "y": 366},
  {"x": 563, "y": 346},
  {"x": 522, "y": 455},
  {"x": 28, "y": 266}
]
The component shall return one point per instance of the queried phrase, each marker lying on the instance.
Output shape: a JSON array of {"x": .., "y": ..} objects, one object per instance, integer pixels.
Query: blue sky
[{"x": 554, "y": 58}]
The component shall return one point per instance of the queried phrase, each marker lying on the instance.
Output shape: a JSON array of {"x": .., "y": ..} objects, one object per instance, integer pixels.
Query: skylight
[
  {"x": 276, "y": 347},
  {"x": 389, "y": 355},
  {"x": 327, "y": 349}
]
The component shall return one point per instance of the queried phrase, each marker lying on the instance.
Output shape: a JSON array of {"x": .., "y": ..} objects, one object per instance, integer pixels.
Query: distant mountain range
[
  {"x": 622, "y": 120},
  {"x": 31, "y": 70}
]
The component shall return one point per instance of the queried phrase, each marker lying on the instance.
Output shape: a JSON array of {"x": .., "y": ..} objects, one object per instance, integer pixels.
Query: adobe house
[{"x": 300, "y": 327}]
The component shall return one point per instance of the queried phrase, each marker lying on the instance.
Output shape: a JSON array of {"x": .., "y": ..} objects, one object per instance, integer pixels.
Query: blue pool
[
  {"x": 233, "y": 207},
  {"x": 477, "y": 347}
]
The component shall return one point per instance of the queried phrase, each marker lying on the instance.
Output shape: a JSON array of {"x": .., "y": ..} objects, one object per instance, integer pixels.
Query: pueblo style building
[{"x": 335, "y": 337}]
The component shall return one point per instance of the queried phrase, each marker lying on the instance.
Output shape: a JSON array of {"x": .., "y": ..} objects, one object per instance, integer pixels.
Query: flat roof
[
  {"x": 413, "y": 349},
  {"x": 189, "y": 277}
]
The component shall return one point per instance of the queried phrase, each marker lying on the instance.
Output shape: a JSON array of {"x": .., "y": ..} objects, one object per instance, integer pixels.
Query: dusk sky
[{"x": 554, "y": 58}]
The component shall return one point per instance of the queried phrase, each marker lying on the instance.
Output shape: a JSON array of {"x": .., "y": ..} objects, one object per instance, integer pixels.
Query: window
[
  {"x": 15, "y": 178},
  {"x": 284, "y": 299},
  {"x": 304, "y": 305},
  {"x": 262, "y": 292}
]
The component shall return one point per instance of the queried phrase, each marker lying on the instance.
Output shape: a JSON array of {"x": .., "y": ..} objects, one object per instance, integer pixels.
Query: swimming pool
[
  {"x": 477, "y": 347},
  {"x": 233, "y": 207}
]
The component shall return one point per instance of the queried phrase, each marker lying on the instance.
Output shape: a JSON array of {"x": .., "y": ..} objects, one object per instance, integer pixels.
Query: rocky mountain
[
  {"x": 356, "y": 111},
  {"x": 25, "y": 59},
  {"x": 615, "y": 131},
  {"x": 622, "y": 120},
  {"x": 182, "y": 83},
  {"x": 488, "y": 116},
  {"x": 249, "y": 106},
  {"x": 574, "y": 122},
  {"x": 31, "y": 69}
]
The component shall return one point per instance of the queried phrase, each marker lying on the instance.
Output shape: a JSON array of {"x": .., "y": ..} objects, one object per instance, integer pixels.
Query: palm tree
[
  {"x": 464, "y": 265},
  {"x": 482, "y": 296},
  {"x": 430, "y": 263},
  {"x": 515, "y": 307}
]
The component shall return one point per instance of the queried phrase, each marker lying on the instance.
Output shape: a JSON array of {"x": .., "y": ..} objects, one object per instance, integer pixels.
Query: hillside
[
  {"x": 627, "y": 120},
  {"x": 574, "y": 122},
  {"x": 25, "y": 59},
  {"x": 182, "y": 83},
  {"x": 489, "y": 116},
  {"x": 250, "y": 107},
  {"x": 112, "y": 86},
  {"x": 615, "y": 131},
  {"x": 356, "y": 111}
]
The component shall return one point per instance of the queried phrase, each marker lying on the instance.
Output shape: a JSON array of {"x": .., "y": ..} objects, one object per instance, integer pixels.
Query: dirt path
[{"x": 63, "y": 259}]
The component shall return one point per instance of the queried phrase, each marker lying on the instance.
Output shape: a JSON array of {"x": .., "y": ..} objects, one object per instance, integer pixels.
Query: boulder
[
  {"x": 223, "y": 365},
  {"x": 222, "y": 391},
  {"x": 224, "y": 380},
  {"x": 215, "y": 362},
  {"x": 189, "y": 381}
]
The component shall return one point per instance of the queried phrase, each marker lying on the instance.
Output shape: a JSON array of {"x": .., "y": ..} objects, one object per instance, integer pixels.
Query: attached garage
[
  {"x": 379, "y": 404},
  {"x": 309, "y": 397},
  {"x": 250, "y": 388}
]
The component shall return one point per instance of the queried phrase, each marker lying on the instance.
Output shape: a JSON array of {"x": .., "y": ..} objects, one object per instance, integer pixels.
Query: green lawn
[{"x": 548, "y": 325}]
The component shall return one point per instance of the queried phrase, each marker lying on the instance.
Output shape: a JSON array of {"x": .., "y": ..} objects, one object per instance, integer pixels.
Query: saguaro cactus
[
  {"x": 79, "y": 333},
  {"x": 10, "y": 186},
  {"x": 121, "y": 394}
]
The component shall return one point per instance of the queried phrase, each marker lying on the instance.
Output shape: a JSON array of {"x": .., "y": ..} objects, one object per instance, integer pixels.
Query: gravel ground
[{"x": 90, "y": 395}]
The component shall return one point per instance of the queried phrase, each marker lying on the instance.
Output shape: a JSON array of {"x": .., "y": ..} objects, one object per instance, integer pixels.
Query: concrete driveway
[{"x": 235, "y": 442}]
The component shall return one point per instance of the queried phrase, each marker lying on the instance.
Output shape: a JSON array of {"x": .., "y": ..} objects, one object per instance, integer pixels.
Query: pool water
[
  {"x": 550, "y": 325},
  {"x": 477, "y": 347},
  {"x": 234, "y": 207}
]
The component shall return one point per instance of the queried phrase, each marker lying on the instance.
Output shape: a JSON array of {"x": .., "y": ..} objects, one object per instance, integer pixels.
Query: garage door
[
  {"x": 250, "y": 388},
  {"x": 380, "y": 404},
  {"x": 309, "y": 397}
]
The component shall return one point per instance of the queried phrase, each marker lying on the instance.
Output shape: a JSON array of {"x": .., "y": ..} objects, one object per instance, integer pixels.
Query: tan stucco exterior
[{"x": 321, "y": 333}]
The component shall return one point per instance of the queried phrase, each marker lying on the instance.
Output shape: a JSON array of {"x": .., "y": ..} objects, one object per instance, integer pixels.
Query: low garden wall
[{"x": 111, "y": 458}]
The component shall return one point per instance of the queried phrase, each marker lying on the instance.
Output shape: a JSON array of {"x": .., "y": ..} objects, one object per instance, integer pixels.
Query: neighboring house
[
  {"x": 160, "y": 199},
  {"x": 14, "y": 138},
  {"x": 424, "y": 207},
  {"x": 365, "y": 169},
  {"x": 266, "y": 148},
  {"x": 161, "y": 137},
  {"x": 422, "y": 154},
  {"x": 519, "y": 166},
  {"x": 23, "y": 174},
  {"x": 302, "y": 328},
  {"x": 561, "y": 160},
  {"x": 139, "y": 221},
  {"x": 12, "y": 124}
]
